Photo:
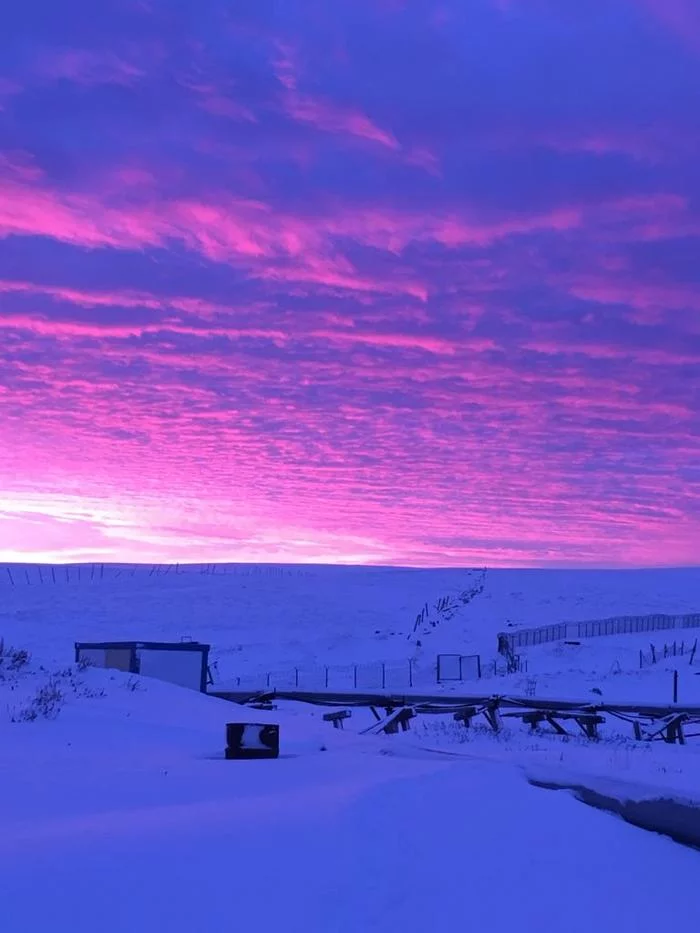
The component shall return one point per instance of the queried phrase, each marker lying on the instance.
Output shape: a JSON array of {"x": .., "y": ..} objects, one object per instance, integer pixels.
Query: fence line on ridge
[{"x": 17, "y": 575}]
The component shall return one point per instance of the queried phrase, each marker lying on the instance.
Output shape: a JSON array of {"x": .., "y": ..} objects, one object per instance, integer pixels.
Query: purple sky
[{"x": 350, "y": 280}]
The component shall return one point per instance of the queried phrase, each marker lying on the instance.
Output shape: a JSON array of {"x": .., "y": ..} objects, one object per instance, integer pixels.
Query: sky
[{"x": 352, "y": 281}]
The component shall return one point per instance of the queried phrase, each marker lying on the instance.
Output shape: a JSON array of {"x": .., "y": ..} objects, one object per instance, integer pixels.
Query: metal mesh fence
[
  {"x": 372, "y": 675},
  {"x": 458, "y": 667},
  {"x": 516, "y": 665},
  {"x": 618, "y": 625}
]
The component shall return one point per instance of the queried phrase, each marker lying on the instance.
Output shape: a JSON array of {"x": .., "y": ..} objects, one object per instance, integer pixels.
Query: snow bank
[{"x": 650, "y": 808}]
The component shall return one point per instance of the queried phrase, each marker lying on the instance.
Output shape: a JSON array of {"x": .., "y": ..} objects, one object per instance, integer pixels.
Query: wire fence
[
  {"x": 57, "y": 574},
  {"x": 618, "y": 625},
  {"x": 515, "y": 664},
  {"x": 675, "y": 649},
  {"x": 373, "y": 675},
  {"x": 379, "y": 675}
]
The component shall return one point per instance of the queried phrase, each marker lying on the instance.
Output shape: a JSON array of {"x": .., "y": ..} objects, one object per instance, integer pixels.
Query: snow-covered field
[
  {"x": 267, "y": 618},
  {"x": 275, "y": 619},
  {"x": 121, "y": 813}
]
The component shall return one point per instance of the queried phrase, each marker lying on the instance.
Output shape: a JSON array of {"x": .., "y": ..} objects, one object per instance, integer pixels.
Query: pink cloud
[
  {"x": 8, "y": 90},
  {"x": 681, "y": 17},
  {"x": 19, "y": 167},
  {"x": 654, "y": 356},
  {"x": 652, "y": 300},
  {"x": 51, "y": 327},
  {"x": 424, "y": 158},
  {"x": 649, "y": 146},
  {"x": 436, "y": 345},
  {"x": 131, "y": 176},
  {"x": 221, "y": 106},
  {"x": 227, "y": 231},
  {"x": 281, "y": 246},
  {"x": 330, "y": 118},
  {"x": 218, "y": 102},
  {"x": 87, "y": 67},
  {"x": 324, "y": 114}
]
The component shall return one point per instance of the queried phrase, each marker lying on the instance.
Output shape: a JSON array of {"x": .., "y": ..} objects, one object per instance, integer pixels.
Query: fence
[
  {"x": 619, "y": 625},
  {"x": 55, "y": 574},
  {"x": 515, "y": 664},
  {"x": 380, "y": 675},
  {"x": 675, "y": 649},
  {"x": 374, "y": 675},
  {"x": 458, "y": 667}
]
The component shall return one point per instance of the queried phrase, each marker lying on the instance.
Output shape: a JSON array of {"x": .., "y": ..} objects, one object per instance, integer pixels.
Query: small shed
[{"x": 184, "y": 663}]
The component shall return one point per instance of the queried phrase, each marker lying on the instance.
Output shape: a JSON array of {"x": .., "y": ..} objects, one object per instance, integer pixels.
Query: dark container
[{"x": 252, "y": 740}]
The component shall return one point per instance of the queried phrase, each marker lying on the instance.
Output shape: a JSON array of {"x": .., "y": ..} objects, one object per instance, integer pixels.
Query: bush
[
  {"x": 51, "y": 688},
  {"x": 45, "y": 704},
  {"x": 12, "y": 660}
]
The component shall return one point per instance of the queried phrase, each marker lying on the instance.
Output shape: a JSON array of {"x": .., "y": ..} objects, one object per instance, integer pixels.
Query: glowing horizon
[{"x": 366, "y": 282}]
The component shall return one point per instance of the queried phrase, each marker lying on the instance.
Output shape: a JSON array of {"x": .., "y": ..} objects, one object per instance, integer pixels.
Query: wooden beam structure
[
  {"x": 394, "y": 720},
  {"x": 649, "y": 721},
  {"x": 337, "y": 717}
]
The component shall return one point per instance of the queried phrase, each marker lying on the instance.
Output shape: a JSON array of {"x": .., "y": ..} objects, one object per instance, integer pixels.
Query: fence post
[
  {"x": 675, "y": 686},
  {"x": 354, "y": 676},
  {"x": 640, "y": 659},
  {"x": 296, "y": 676},
  {"x": 383, "y": 676},
  {"x": 326, "y": 677},
  {"x": 410, "y": 672}
]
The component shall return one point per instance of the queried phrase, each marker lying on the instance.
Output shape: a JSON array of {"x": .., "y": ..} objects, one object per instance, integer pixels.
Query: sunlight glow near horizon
[{"x": 362, "y": 282}]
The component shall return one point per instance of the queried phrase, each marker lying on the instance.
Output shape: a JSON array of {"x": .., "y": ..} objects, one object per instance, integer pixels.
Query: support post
[{"x": 492, "y": 716}]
